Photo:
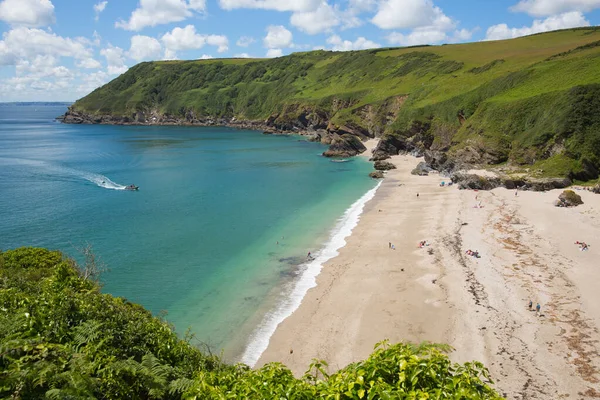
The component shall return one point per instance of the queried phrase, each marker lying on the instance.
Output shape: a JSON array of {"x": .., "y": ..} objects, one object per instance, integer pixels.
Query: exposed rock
[
  {"x": 384, "y": 165},
  {"x": 476, "y": 182},
  {"x": 344, "y": 146},
  {"x": 540, "y": 185},
  {"x": 569, "y": 198},
  {"x": 436, "y": 159},
  {"x": 422, "y": 169},
  {"x": 376, "y": 174},
  {"x": 390, "y": 145}
]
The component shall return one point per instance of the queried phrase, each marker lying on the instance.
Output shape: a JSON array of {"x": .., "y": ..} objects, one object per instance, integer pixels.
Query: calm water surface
[{"x": 221, "y": 221}]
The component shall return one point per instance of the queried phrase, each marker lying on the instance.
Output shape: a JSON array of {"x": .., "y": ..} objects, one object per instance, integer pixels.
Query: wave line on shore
[{"x": 261, "y": 336}]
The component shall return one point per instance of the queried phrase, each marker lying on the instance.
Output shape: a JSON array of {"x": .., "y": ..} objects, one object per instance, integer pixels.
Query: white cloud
[
  {"x": 563, "y": 21},
  {"x": 406, "y": 14},
  {"x": 417, "y": 37},
  {"x": 245, "y": 41},
  {"x": 27, "y": 43},
  {"x": 170, "y": 55},
  {"x": 277, "y": 5},
  {"x": 242, "y": 55},
  {"x": 187, "y": 39},
  {"x": 115, "y": 58},
  {"x": 89, "y": 63},
  {"x": 206, "y": 57},
  {"x": 322, "y": 19},
  {"x": 345, "y": 45},
  {"x": 92, "y": 81},
  {"x": 272, "y": 53},
  {"x": 99, "y": 7},
  {"x": 543, "y": 8},
  {"x": 144, "y": 48},
  {"x": 157, "y": 12},
  {"x": 277, "y": 37},
  {"x": 429, "y": 35},
  {"x": 27, "y": 12}
]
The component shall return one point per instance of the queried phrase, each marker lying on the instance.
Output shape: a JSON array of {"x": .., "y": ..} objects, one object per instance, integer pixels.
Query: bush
[{"x": 60, "y": 338}]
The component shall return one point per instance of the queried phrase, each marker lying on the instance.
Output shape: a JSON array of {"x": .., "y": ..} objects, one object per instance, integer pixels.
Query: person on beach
[
  {"x": 308, "y": 256},
  {"x": 530, "y": 305},
  {"x": 389, "y": 245},
  {"x": 537, "y": 308},
  {"x": 417, "y": 194}
]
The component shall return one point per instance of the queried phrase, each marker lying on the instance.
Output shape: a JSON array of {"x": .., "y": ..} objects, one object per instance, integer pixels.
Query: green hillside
[
  {"x": 61, "y": 338},
  {"x": 531, "y": 101}
]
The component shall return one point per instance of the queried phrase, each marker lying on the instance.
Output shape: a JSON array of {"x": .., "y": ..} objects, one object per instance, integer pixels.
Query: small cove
[{"x": 223, "y": 219}]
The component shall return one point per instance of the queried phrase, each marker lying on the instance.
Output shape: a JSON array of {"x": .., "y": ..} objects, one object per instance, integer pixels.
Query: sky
[{"x": 60, "y": 50}]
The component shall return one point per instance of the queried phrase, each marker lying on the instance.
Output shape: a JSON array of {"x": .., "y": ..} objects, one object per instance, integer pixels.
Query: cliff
[{"x": 528, "y": 104}]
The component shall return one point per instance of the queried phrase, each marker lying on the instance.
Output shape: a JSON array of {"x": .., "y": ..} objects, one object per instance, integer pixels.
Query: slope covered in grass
[
  {"x": 527, "y": 101},
  {"x": 61, "y": 338}
]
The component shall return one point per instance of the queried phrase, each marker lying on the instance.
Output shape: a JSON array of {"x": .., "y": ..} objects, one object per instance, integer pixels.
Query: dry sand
[{"x": 479, "y": 306}]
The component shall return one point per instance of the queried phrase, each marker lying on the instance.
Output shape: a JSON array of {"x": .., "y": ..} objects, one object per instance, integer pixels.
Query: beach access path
[{"x": 438, "y": 293}]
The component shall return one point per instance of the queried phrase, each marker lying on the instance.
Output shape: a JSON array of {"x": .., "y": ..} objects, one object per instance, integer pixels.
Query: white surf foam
[{"x": 262, "y": 334}]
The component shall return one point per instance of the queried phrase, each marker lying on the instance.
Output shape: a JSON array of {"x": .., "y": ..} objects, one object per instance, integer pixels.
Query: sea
[{"x": 216, "y": 239}]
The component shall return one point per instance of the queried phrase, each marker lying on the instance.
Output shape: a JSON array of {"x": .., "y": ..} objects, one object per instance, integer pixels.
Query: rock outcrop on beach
[
  {"x": 376, "y": 175},
  {"x": 422, "y": 169},
  {"x": 345, "y": 145},
  {"x": 568, "y": 198},
  {"x": 384, "y": 165}
]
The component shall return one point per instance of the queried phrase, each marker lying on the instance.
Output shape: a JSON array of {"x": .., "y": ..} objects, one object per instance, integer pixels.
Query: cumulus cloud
[
  {"x": 406, "y": 14},
  {"x": 144, "y": 48},
  {"x": 157, "y": 12},
  {"x": 563, "y": 21},
  {"x": 27, "y": 43},
  {"x": 272, "y": 53},
  {"x": 245, "y": 41},
  {"x": 98, "y": 8},
  {"x": 89, "y": 63},
  {"x": 428, "y": 35},
  {"x": 277, "y": 37},
  {"x": 345, "y": 45},
  {"x": 30, "y": 13},
  {"x": 277, "y": 5},
  {"x": 206, "y": 57},
  {"x": 92, "y": 81},
  {"x": 188, "y": 39},
  {"x": 319, "y": 20},
  {"x": 115, "y": 58},
  {"x": 543, "y": 8},
  {"x": 242, "y": 55}
]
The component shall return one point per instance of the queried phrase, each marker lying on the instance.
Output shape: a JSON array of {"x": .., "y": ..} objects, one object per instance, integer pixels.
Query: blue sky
[{"x": 61, "y": 50}]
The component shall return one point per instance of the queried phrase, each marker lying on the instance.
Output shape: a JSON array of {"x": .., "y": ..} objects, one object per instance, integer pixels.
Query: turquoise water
[{"x": 218, "y": 231}]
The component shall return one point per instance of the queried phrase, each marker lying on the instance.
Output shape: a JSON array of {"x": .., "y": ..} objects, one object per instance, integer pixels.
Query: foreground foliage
[{"x": 61, "y": 338}]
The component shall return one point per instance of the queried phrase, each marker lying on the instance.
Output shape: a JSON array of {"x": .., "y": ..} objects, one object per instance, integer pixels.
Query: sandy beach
[{"x": 438, "y": 293}]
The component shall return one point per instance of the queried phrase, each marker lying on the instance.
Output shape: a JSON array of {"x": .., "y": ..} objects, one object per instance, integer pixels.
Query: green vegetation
[
  {"x": 522, "y": 101},
  {"x": 61, "y": 338}
]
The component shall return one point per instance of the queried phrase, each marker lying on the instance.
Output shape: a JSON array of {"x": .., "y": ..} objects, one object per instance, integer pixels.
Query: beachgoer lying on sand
[
  {"x": 423, "y": 243},
  {"x": 582, "y": 245},
  {"x": 472, "y": 253}
]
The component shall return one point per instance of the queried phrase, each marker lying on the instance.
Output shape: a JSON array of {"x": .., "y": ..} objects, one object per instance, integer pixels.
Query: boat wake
[{"x": 57, "y": 170}]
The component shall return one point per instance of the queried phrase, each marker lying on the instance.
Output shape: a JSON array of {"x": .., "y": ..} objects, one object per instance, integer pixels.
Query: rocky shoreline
[
  {"x": 342, "y": 141},
  {"x": 345, "y": 141}
]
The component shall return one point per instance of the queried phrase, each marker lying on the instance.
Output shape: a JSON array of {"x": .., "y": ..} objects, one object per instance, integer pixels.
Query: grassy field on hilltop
[{"x": 529, "y": 101}]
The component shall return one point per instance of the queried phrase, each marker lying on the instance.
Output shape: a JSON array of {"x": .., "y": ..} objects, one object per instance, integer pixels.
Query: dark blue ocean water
[{"x": 200, "y": 237}]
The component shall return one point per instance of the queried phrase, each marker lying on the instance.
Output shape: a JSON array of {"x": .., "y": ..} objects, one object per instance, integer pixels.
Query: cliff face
[{"x": 529, "y": 103}]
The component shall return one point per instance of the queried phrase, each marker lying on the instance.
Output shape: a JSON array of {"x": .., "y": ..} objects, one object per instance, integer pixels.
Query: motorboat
[{"x": 131, "y": 187}]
